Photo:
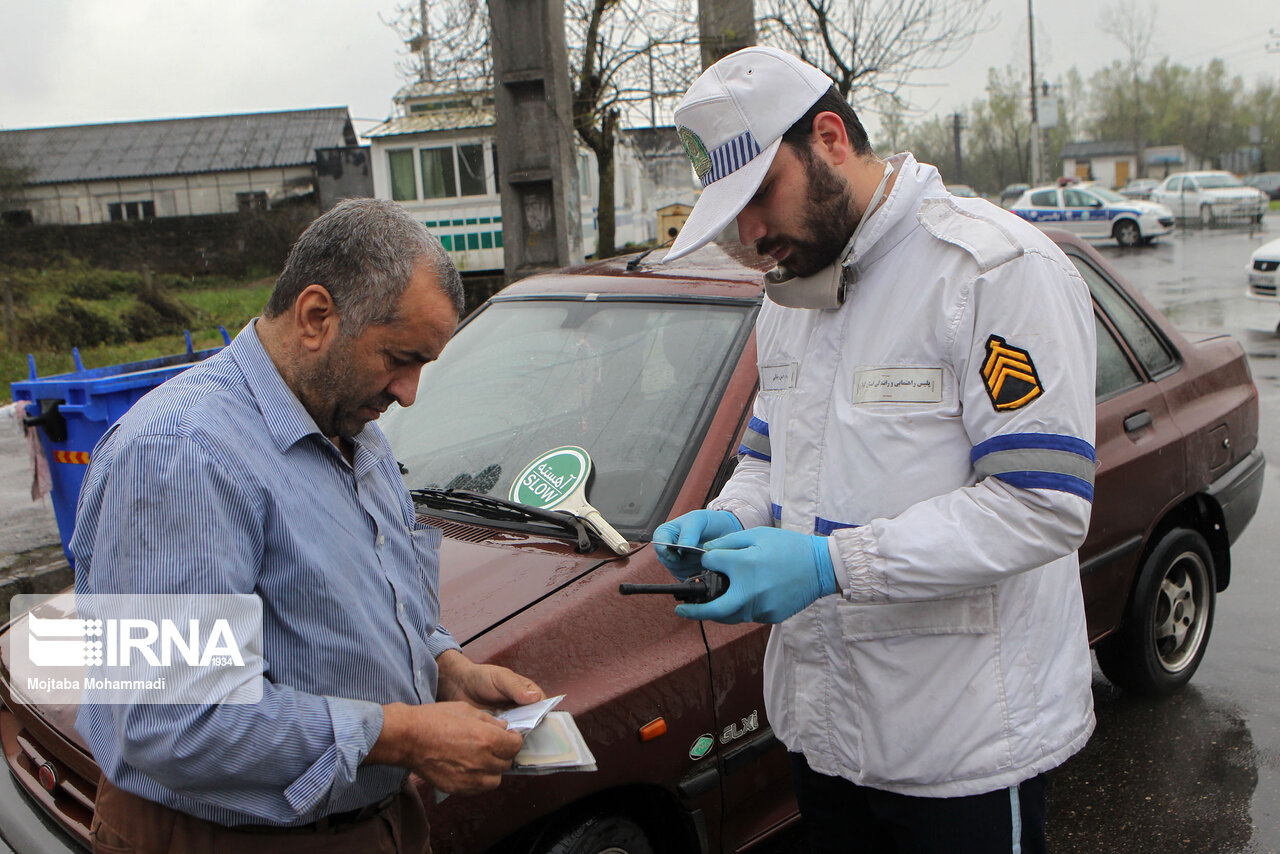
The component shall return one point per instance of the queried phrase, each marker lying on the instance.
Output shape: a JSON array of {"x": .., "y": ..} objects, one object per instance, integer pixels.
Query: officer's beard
[{"x": 828, "y": 221}]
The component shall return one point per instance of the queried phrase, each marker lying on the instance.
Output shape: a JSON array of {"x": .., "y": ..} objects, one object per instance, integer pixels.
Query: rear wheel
[
  {"x": 1167, "y": 623},
  {"x": 601, "y": 834},
  {"x": 1206, "y": 215},
  {"x": 1127, "y": 233}
]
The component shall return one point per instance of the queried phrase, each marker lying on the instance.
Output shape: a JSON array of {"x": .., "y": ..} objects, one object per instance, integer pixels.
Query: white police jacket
[{"x": 939, "y": 427}]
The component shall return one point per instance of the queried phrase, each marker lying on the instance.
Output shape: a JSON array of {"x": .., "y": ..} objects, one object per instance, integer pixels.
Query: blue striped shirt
[{"x": 219, "y": 481}]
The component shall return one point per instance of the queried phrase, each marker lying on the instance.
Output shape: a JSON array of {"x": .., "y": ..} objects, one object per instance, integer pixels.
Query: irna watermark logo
[{"x": 125, "y": 649}]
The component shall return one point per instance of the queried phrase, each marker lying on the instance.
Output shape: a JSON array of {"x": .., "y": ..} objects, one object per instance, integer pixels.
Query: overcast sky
[{"x": 79, "y": 61}]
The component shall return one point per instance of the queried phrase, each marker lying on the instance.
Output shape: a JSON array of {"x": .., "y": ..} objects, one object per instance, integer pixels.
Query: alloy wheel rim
[{"x": 1181, "y": 612}]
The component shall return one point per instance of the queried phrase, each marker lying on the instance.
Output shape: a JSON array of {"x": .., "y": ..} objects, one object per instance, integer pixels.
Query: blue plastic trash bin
[{"x": 73, "y": 411}]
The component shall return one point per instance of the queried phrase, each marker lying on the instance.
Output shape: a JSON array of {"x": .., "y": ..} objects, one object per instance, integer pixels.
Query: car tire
[
  {"x": 1206, "y": 216},
  {"x": 1167, "y": 622},
  {"x": 600, "y": 834},
  {"x": 1127, "y": 233}
]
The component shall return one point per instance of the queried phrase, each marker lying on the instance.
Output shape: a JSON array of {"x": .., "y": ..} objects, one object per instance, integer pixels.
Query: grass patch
[{"x": 115, "y": 317}]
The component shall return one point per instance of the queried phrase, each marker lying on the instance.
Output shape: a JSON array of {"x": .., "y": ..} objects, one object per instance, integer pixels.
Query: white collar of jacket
[{"x": 887, "y": 226}]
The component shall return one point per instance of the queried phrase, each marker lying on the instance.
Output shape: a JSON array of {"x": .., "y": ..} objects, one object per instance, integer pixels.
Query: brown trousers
[{"x": 124, "y": 823}]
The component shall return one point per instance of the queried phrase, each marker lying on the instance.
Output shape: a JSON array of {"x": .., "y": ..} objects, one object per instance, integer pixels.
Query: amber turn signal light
[{"x": 653, "y": 729}]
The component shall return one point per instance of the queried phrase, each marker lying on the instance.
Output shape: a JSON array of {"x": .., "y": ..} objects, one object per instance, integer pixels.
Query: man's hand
[
  {"x": 691, "y": 529},
  {"x": 773, "y": 573},
  {"x": 454, "y": 746},
  {"x": 485, "y": 686}
]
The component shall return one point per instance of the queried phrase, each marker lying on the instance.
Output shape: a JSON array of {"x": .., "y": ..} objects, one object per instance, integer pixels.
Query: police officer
[{"x": 915, "y": 481}]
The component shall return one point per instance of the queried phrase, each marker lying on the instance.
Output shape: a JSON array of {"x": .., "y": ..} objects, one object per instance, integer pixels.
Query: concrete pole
[
  {"x": 541, "y": 226},
  {"x": 725, "y": 26}
]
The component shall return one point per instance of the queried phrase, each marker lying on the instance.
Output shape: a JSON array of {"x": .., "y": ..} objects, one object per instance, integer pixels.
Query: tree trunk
[{"x": 606, "y": 219}]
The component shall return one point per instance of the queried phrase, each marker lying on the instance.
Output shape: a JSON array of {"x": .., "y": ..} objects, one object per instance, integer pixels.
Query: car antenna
[{"x": 634, "y": 263}]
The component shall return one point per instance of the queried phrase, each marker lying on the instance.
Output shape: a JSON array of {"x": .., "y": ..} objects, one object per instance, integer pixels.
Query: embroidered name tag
[
  {"x": 897, "y": 385},
  {"x": 778, "y": 377}
]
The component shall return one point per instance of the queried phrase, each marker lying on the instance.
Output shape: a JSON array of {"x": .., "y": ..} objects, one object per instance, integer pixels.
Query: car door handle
[{"x": 1137, "y": 421}]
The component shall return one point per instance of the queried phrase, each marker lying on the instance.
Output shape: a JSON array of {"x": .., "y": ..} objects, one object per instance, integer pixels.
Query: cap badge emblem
[{"x": 696, "y": 150}]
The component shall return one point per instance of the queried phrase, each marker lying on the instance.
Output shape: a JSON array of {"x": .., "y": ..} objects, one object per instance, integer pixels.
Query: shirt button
[
  {"x": 382, "y": 540},
  {"x": 400, "y": 609}
]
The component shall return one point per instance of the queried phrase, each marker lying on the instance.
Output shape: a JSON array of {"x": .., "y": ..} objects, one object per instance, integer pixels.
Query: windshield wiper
[{"x": 499, "y": 509}]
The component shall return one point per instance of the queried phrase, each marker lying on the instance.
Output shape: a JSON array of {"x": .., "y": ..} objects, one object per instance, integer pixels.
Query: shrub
[{"x": 69, "y": 323}]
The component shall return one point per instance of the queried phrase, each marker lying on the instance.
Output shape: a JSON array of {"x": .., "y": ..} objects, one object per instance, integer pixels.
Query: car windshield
[
  {"x": 1108, "y": 195},
  {"x": 628, "y": 381},
  {"x": 1213, "y": 182}
]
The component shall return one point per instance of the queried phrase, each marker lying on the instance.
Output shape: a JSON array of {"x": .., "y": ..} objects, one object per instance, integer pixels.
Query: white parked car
[
  {"x": 1094, "y": 213},
  {"x": 1264, "y": 272},
  {"x": 1210, "y": 196}
]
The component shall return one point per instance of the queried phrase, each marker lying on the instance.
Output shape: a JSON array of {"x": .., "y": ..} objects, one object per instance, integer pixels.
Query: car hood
[
  {"x": 1268, "y": 251},
  {"x": 1148, "y": 208},
  {"x": 488, "y": 576}
]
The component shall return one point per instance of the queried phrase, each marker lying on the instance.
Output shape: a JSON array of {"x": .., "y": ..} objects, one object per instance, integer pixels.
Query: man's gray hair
[{"x": 364, "y": 252}]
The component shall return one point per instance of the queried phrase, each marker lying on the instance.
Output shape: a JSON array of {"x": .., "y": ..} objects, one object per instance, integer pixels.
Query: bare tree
[
  {"x": 623, "y": 53},
  {"x": 873, "y": 46},
  {"x": 1134, "y": 27},
  {"x": 625, "y": 56}
]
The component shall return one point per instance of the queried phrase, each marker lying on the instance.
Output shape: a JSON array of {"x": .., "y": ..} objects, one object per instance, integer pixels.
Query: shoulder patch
[
  {"x": 981, "y": 236},
  {"x": 1009, "y": 375}
]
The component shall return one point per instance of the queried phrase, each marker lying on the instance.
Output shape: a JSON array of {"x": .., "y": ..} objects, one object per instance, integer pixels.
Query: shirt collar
[{"x": 287, "y": 419}]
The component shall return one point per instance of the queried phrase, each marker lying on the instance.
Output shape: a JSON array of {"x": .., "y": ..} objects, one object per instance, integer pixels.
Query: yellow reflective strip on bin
[{"x": 79, "y": 458}]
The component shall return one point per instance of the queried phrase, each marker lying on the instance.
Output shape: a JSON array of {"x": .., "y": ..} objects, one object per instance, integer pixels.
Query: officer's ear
[{"x": 831, "y": 138}]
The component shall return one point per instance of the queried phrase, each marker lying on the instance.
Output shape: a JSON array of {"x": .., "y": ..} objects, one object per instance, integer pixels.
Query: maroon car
[{"x": 652, "y": 370}]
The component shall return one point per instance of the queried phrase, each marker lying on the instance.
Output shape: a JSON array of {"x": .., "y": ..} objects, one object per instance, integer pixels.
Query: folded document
[{"x": 552, "y": 741}]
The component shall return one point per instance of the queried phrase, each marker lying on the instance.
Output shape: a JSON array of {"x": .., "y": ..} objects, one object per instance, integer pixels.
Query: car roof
[{"x": 715, "y": 270}]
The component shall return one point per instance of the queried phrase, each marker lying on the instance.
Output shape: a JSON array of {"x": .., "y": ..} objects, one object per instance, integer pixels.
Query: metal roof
[
  {"x": 435, "y": 120},
  {"x": 177, "y": 146},
  {"x": 1097, "y": 149}
]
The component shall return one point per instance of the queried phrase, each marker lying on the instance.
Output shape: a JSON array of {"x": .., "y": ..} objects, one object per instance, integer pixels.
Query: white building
[
  {"x": 170, "y": 167},
  {"x": 439, "y": 159}
]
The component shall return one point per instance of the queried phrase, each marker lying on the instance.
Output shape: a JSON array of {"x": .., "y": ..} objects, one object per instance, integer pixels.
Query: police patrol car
[{"x": 1095, "y": 213}]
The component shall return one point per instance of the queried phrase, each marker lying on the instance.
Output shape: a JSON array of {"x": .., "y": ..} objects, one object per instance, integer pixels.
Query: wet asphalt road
[{"x": 1198, "y": 772}]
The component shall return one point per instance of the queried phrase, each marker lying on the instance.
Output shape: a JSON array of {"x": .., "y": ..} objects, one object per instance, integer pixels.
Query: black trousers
[{"x": 844, "y": 817}]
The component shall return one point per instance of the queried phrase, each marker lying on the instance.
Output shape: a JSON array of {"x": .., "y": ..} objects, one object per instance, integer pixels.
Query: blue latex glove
[
  {"x": 691, "y": 529},
  {"x": 772, "y": 574}
]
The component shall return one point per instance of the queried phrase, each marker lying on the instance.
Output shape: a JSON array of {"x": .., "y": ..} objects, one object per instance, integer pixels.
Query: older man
[{"x": 260, "y": 471}]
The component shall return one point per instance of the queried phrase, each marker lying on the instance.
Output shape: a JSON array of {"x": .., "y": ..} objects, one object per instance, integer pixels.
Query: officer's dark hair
[{"x": 832, "y": 102}]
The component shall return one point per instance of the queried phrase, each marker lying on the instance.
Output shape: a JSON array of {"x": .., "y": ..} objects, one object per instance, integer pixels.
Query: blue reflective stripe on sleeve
[
  {"x": 1051, "y": 441},
  {"x": 1048, "y": 480},
  {"x": 743, "y": 449},
  {"x": 777, "y": 511},
  {"x": 759, "y": 425},
  {"x": 825, "y": 527}
]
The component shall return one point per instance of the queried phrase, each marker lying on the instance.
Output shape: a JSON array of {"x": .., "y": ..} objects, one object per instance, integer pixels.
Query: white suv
[{"x": 1210, "y": 196}]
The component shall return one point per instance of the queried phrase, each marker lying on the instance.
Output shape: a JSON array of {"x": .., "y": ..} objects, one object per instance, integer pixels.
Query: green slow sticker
[
  {"x": 702, "y": 746},
  {"x": 551, "y": 478}
]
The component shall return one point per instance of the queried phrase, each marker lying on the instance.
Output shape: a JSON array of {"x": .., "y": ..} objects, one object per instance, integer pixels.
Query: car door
[
  {"x": 1044, "y": 209},
  {"x": 1141, "y": 469},
  {"x": 1171, "y": 197},
  {"x": 1085, "y": 213}
]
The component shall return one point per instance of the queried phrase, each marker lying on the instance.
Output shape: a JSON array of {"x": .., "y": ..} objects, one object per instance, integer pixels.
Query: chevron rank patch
[{"x": 1009, "y": 375}]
